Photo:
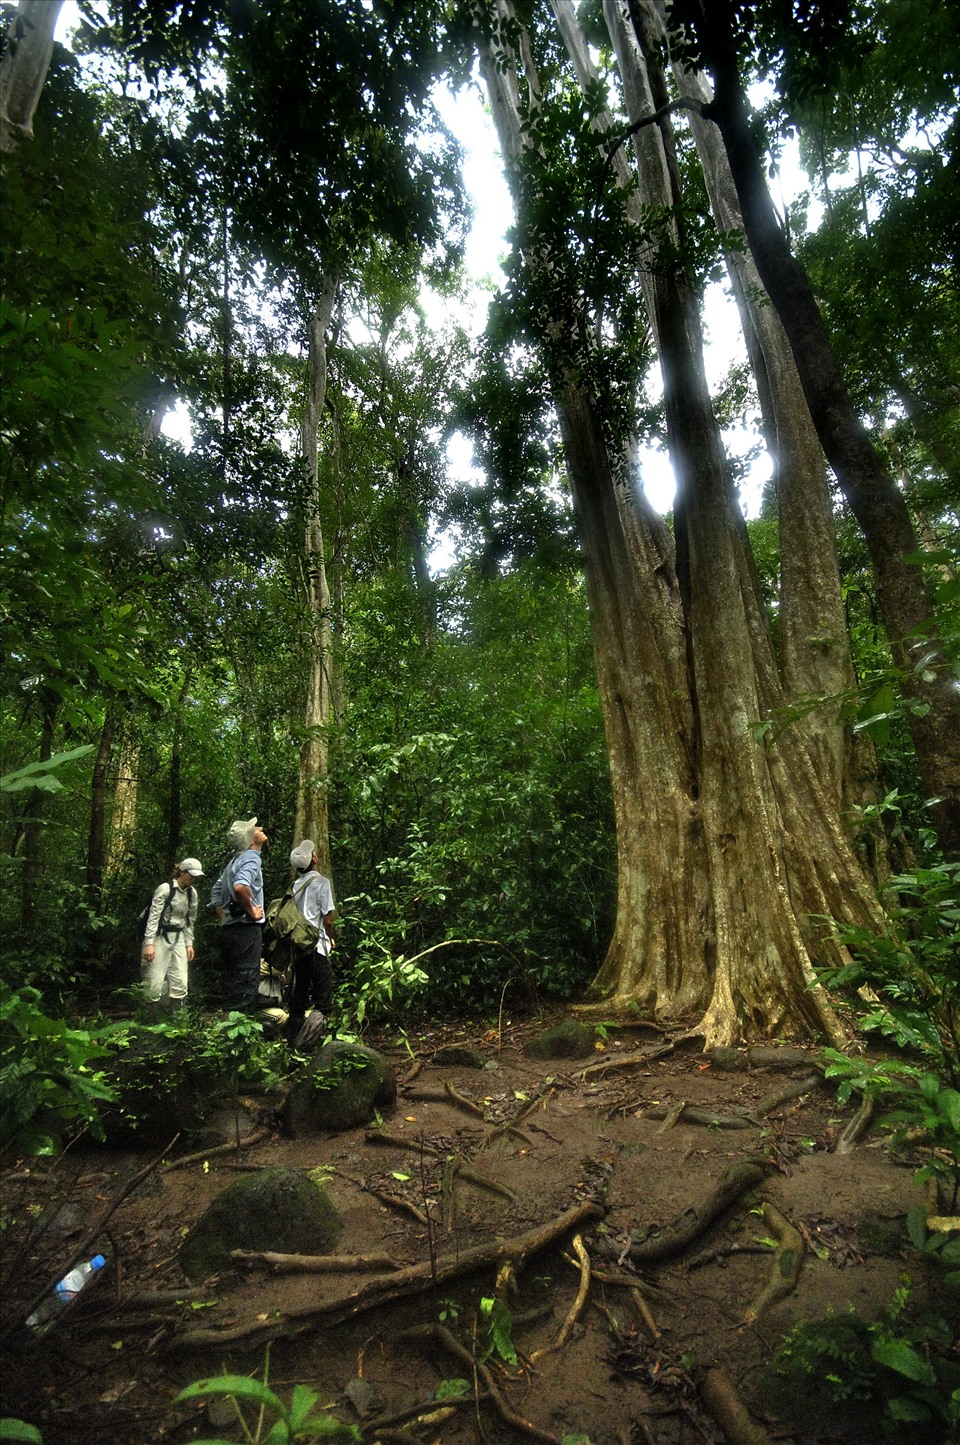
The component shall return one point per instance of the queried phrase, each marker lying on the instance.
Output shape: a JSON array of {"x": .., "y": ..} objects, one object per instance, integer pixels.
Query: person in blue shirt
[{"x": 237, "y": 900}]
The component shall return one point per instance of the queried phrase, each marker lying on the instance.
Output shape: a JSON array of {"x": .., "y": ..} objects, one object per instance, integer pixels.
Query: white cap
[
  {"x": 302, "y": 854},
  {"x": 193, "y": 866}
]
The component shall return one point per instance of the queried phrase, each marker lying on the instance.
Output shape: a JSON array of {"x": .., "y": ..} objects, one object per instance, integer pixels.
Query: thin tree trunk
[
  {"x": 174, "y": 811},
  {"x": 33, "y": 814},
  {"x": 311, "y": 817},
  {"x": 123, "y": 816},
  {"x": 99, "y": 802},
  {"x": 23, "y": 70}
]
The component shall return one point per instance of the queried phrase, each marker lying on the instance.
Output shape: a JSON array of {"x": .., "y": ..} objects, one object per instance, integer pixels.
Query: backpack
[
  {"x": 285, "y": 924},
  {"x": 163, "y": 925}
]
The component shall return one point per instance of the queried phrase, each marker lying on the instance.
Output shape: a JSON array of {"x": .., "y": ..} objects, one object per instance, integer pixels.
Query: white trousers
[{"x": 166, "y": 972}]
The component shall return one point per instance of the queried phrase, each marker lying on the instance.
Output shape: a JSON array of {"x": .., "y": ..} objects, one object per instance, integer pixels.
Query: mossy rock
[
  {"x": 279, "y": 1209},
  {"x": 458, "y": 1056},
  {"x": 343, "y": 1086},
  {"x": 568, "y": 1040},
  {"x": 162, "y": 1089}
]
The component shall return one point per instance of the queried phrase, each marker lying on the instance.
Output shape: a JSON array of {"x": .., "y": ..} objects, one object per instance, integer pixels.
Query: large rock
[
  {"x": 278, "y": 1209},
  {"x": 343, "y": 1085},
  {"x": 567, "y": 1040}
]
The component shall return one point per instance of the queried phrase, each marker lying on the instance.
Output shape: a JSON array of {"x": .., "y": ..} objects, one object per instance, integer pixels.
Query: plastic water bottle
[{"x": 65, "y": 1291}]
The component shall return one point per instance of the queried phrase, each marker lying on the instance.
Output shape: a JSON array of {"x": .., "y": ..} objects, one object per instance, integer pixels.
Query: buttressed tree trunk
[
  {"x": 710, "y": 823},
  {"x": 311, "y": 815},
  {"x": 814, "y": 646},
  {"x": 927, "y": 677},
  {"x": 23, "y": 70}
]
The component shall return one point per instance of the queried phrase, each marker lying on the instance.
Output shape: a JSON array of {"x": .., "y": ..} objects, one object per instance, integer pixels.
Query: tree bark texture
[
  {"x": 926, "y": 675},
  {"x": 716, "y": 882},
  {"x": 99, "y": 802},
  {"x": 24, "y": 67},
  {"x": 311, "y": 816}
]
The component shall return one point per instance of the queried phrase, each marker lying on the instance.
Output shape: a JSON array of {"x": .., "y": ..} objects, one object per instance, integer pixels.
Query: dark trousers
[
  {"x": 240, "y": 948},
  {"x": 313, "y": 981}
]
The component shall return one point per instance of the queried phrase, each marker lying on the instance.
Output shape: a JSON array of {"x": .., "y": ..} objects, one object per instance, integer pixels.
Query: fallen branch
[
  {"x": 434, "y": 1335},
  {"x": 313, "y": 1263},
  {"x": 202, "y": 1155},
  {"x": 413, "y": 1280},
  {"x": 400, "y": 1141},
  {"x": 786, "y": 1265},
  {"x": 461, "y": 1100},
  {"x": 625, "y": 1061},
  {"x": 733, "y": 1183},
  {"x": 721, "y": 1399},
  {"x": 392, "y": 1201}
]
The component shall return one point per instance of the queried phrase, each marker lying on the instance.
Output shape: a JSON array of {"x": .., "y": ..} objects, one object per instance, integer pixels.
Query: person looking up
[{"x": 237, "y": 900}]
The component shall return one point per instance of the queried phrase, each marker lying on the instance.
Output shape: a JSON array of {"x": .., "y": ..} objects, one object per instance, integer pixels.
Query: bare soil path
[{"x": 621, "y": 1339}]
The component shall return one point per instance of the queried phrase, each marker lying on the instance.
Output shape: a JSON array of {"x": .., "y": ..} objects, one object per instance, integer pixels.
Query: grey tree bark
[
  {"x": 717, "y": 887},
  {"x": 311, "y": 814},
  {"x": 24, "y": 67}
]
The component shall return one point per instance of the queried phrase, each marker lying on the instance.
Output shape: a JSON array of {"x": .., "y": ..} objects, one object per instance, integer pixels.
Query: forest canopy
[{"x": 659, "y": 764}]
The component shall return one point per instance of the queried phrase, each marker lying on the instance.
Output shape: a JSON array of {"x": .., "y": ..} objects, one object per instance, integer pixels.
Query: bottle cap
[{"x": 98, "y": 1261}]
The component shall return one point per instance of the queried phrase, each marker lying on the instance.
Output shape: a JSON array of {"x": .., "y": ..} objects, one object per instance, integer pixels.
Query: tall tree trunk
[
  {"x": 311, "y": 816},
  {"x": 99, "y": 803},
  {"x": 123, "y": 815},
  {"x": 926, "y": 675},
  {"x": 814, "y": 647},
  {"x": 705, "y": 838},
  {"x": 33, "y": 817},
  {"x": 174, "y": 809},
  {"x": 23, "y": 70}
]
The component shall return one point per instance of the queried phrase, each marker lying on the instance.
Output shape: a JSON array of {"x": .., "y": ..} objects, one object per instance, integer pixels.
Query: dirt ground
[{"x": 594, "y": 1136}]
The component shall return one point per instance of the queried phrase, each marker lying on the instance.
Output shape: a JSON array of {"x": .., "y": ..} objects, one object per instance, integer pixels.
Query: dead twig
[
  {"x": 625, "y": 1061},
  {"x": 392, "y": 1201},
  {"x": 202, "y": 1155},
  {"x": 313, "y": 1263},
  {"x": 434, "y": 1335}
]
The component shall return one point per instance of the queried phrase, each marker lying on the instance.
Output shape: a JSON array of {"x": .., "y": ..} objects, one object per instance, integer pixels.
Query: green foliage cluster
[
  {"x": 895, "y": 1371},
  {"x": 52, "y": 1078},
  {"x": 911, "y": 973}
]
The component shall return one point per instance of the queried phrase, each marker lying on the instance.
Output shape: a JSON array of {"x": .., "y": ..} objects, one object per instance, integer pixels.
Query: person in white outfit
[{"x": 168, "y": 937}]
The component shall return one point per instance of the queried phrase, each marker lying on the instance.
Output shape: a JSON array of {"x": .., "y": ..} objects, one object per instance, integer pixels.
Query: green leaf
[
  {"x": 898, "y": 1355},
  {"x": 948, "y": 1103},
  {"x": 240, "y": 1386},
  {"x": 11, "y": 1429},
  {"x": 453, "y": 1389},
  {"x": 901, "y": 1407},
  {"x": 917, "y": 1226}
]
